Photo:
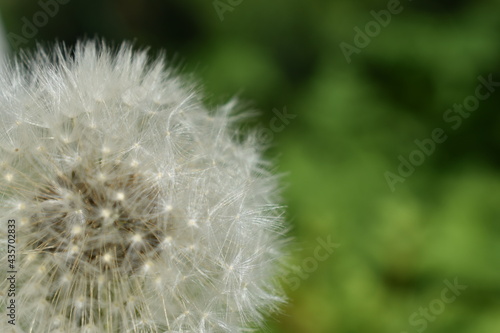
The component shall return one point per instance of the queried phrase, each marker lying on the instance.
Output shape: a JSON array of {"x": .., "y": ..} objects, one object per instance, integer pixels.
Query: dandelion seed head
[{"x": 140, "y": 210}]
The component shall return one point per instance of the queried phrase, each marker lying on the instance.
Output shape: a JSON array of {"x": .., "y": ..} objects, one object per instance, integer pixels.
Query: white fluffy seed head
[{"x": 127, "y": 228}]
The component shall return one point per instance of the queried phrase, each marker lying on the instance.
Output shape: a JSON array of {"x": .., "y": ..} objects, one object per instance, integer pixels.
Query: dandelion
[{"x": 137, "y": 209}]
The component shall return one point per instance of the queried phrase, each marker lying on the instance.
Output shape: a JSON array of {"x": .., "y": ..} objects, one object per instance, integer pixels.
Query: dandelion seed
[
  {"x": 136, "y": 238},
  {"x": 106, "y": 213},
  {"x": 76, "y": 230},
  {"x": 107, "y": 258},
  {"x": 139, "y": 210},
  {"x": 120, "y": 196}
]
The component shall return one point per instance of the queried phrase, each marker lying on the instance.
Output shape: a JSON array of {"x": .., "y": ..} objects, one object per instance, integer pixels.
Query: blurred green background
[{"x": 350, "y": 121}]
